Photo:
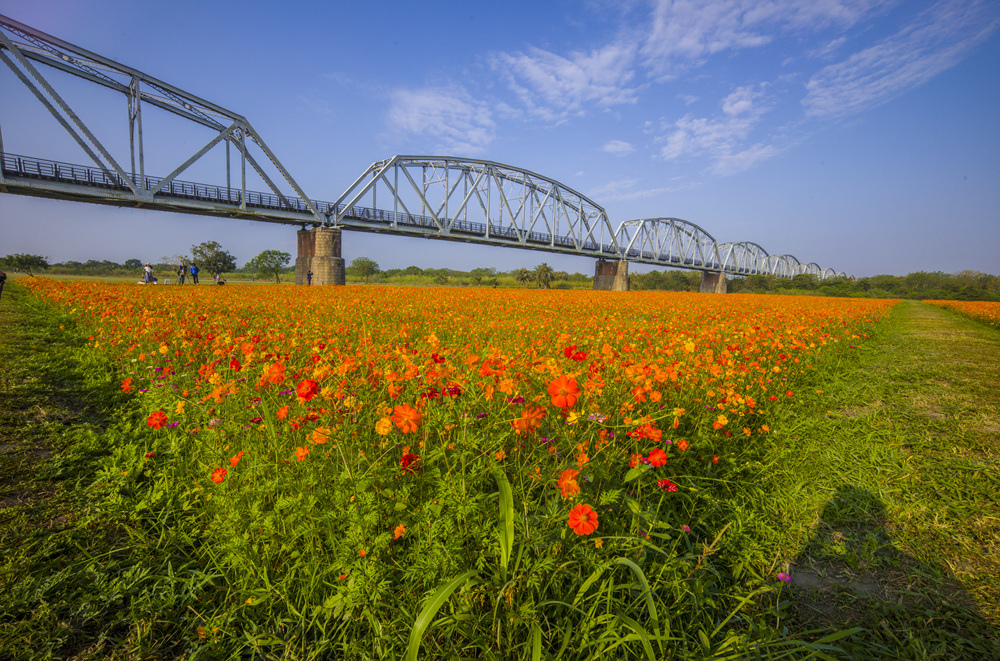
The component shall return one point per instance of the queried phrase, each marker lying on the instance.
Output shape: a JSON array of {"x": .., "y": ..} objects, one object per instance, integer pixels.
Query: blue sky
[{"x": 861, "y": 135}]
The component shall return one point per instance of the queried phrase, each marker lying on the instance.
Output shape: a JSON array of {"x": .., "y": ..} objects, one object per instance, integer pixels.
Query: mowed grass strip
[{"x": 892, "y": 492}]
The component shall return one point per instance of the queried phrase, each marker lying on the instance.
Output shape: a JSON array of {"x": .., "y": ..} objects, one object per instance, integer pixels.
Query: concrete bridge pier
[
  {"x": 611, "y": 276},
  {"x": 712, "y": 283},
  {"x": 319, "y": 252}
]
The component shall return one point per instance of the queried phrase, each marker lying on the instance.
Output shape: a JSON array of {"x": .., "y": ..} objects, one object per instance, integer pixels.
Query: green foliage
[
  {"x": 543, "y": 276},
  {"x": 270, "y": 263},
  {"x": 363, "y": 267},
  {"x": 24, "y": 262},
  {"x": 210, "y": 257}
]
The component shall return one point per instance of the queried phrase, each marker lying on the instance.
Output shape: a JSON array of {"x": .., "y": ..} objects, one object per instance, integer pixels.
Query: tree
[
  {"x": 270, "y": 262},
  {"x": 25, "y": 262},
  {"x": 132, "y": 264},
  {"x": 210, "y": 256},
  {"x": 364, "y": 267},
  {"x": 522, "y": 276},
  {"x": 543, "y": 276}
]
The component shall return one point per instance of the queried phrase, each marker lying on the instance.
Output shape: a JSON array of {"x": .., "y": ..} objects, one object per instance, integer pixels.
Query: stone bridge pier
[
  {"x": 611, "y": 276},
  {"x": 712, "y": 283},
  {"x": 319, "y": 252}
]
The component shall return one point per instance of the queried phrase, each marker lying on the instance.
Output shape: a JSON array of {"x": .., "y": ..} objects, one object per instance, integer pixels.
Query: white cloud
[
  {"x": 935, "y": 41},
  {"x": 618, "y": 147},
  {"x": 685, "y": 32},
  {"x": 555, "y": 87},
  {"x": 721, "y": 137},
  {"x": 458, "y": 123},
  {"x": 623, "y": 191}
]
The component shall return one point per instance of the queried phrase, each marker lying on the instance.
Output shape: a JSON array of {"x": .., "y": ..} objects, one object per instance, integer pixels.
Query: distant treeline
[{"x": 963, "y": 286}]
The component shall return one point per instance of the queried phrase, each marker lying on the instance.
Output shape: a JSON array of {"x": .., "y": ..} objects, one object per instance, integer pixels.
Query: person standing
[
  {"x": 181, "y": 272},
  {"x": 3, "y": 279},
  {"x": 147, "y": 274},
  {"x": 309, "y": 278},
  {"x": 194, "y": 273}
]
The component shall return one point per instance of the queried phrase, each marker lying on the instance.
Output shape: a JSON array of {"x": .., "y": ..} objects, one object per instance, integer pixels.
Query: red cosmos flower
[
  {"x": 218, "y": 475},
  {"x": 657, "y": 457},
  {"x": 157, "y": 419},
  {"x": 666, "y": 485},
  {"x": 234, "y": 365},
  {"x": 406, "y": 418},
  {"x": 564, "y": 391},
  {"x": 571, "y": 353},
  {"x": 127, "y": 385},
  {"x": 582, "y": 519},
  {"x": 409, "y": 462},
  {"x": 307, "y": 390}
]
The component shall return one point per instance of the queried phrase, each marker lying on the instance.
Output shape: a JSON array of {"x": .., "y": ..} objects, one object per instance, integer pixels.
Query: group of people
[{"x": 182, "y": 271}]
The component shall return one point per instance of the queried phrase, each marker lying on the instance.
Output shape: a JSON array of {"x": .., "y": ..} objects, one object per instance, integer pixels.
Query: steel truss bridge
[{"x": 442, "y": 197}]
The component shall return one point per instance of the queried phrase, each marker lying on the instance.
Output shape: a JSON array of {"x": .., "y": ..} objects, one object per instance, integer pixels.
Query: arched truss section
[
  {"x": 472, "y": 200},
  {"x": 744, "y": 258},
  {"x": 783, "y": 266},
  {"x": 812, "y": 268},
  {"x": 119, "y": 179},
  {"x": 667, "y": 242}
]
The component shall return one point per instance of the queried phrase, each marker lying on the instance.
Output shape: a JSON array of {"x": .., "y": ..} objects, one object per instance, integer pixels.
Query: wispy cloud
[
  {"x": 624, "y": 190},
  {"x": 617, "y": 147},
  {"x": 685, "y": 32},
  {"x": 723, "y": 136},
  {"x": 554, "y": 87},
  {"x": 936, "y": 40},
  {"x": 449, "y": 117}
]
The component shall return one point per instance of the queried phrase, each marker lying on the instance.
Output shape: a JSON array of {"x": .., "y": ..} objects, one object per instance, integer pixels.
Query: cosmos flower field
[{"x": 448, "y": 468}]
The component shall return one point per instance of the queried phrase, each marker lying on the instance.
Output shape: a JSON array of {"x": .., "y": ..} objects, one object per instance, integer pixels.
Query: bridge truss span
[
  {"x": 667, "y": 242},
  {"x": 477, "y": 201}
]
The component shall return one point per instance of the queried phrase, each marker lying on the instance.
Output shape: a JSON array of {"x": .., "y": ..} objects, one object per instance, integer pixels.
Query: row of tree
[
  {"x": 922, "y": 285},
  {"x": 209, "y": 256}
]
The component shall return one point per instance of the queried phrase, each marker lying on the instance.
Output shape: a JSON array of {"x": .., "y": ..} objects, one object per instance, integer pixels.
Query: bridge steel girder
[
  {"x": 668, "y": 242},
  {"x": 782, "y": 266},
  {"x": 23, "y": 47},
  {"x": 744, "y": 258},
  {"x": 476, "y": 201}
]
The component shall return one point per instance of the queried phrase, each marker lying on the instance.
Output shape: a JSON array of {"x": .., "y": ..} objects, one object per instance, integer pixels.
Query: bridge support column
[
  {"x": 712, "y": 283},
  {"x": 611, "y": 276},
  {"x": 319, "y": 252}
]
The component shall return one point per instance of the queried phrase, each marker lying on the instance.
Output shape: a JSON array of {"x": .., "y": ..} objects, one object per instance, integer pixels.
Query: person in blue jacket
[{"x": 194, "y": 273}]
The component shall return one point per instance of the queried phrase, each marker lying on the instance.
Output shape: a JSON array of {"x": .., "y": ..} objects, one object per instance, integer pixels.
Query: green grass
[{"x": 877, "y": 494}]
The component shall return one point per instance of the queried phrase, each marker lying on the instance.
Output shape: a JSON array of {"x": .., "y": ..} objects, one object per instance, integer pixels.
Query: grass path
[{"x": 898, "y": 478}]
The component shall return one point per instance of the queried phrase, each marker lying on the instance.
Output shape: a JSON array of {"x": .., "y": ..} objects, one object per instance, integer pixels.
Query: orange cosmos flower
[
  {"x": 564, "y": 391},
  {"x": 568, "y": 484},
  {"x": 218, "y": 475},
  {"x": 127, "y": 385},
  {"x": 582, "y": 519},
  {"x": 282, "y": 412},
  {"x": 531, "y": 419},
  {"x": 275, "y": 373},
  {"x": 320, "y": 435},
  {"x": 236, "y": 459},
  {"x": 398, "y": 532},
  {"x": 300, "y": 453},
  {"x": 657, "y": 457},
  {"x": 383, "y": 426},
  {"x": 406, "y": 418},
  {"x": 682, "y": 445},
  {"x": 307, "y": 390},
  {"x": 157, "y": 419}
]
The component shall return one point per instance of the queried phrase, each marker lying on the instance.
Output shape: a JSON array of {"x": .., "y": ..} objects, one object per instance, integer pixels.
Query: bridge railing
[{"x": 44, "y": 169}]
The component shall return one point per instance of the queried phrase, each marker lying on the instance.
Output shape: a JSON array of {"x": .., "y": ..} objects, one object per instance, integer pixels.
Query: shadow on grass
[{"x": 853, "y": 574}]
